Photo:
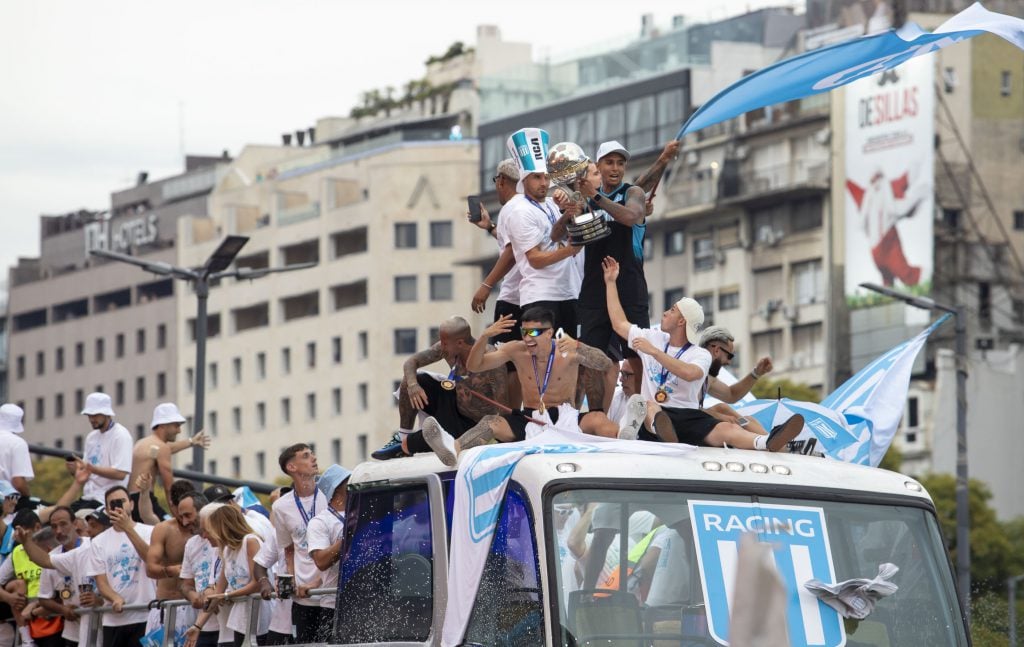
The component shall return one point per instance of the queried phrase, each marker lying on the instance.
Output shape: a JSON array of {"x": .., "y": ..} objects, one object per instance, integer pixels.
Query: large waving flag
[
  {"x": 823, "y": 69},
  {"x": 835, "y": 437},
  {"x": 873, "y": 400}
]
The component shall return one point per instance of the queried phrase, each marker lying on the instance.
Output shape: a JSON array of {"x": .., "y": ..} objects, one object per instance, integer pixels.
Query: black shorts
[
  {"x": 502, "y": 308},
  {"x": 596, "y": 331},
  {"x": 517, "y": 420},
  {"x": 444, "y": 407},
  {"x": 691, "y": 425},
  {"x": 564, "y": 312}
]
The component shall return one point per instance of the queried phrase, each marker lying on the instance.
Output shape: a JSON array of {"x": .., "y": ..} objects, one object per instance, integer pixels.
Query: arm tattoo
[
  {"x": 593, "y": 358},
  {"x": 491, "y": 384},
  {"x": 651, "y": 175},
  {"x": 419, "y": 360}
]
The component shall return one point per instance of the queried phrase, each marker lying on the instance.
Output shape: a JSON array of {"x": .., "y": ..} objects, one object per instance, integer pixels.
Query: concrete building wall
[{"x": 255, "y": 414}]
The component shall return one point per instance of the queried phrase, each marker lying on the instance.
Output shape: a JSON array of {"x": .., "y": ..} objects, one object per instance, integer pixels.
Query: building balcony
[
  {"x": 300, "y": 213},
  {"x": 735, "y": 184}
]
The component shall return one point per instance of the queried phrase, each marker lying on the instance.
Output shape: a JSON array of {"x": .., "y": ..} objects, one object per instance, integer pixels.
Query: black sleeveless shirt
[{"x": 619, "y": 245}]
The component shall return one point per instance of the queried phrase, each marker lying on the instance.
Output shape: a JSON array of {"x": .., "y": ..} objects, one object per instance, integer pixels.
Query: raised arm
[
  {"x": 123, "y": 521},
  {"x": 616, "y": 314},
  {"x": 651, "y": 175},
  {"x": 74, "y": 490},
  {"x": 144, "y": 482},
  {"x": 35, "y": 552},
  {"x": 479, "y": 359}
]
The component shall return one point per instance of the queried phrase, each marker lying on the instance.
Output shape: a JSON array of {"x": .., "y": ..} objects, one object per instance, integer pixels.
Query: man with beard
[
  {"x": 718, "y": 341},
  {"x": 64, "y": 572},
  {"x": 166, "y": 550},
  {"x": 675, "y": 371},
  {"x": 108, "y": 452},
  {"x": 152, "y": 454},
  {"x": 548, "y": 368},
  {"x": 449, "y": 400}
]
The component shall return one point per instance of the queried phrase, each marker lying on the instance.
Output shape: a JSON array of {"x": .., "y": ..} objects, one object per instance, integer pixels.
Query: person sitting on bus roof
[
  {"x": 547, "y": 368},
  {"x": 675, "y": 376},
  {"x": 449, "y": 400},
  {"x": 718, "y": 341}
]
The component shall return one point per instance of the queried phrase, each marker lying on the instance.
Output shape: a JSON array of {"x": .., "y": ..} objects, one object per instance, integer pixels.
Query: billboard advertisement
[{"x": 889, "y": 185}]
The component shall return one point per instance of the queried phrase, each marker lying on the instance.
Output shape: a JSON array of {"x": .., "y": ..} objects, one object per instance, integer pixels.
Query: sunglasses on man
[
  {"x": 731, "y": 356},
  {"x": 534, "y": 332}
]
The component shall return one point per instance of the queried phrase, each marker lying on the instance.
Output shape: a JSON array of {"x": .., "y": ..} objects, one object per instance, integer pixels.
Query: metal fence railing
[{"x": 170, "y": 609}]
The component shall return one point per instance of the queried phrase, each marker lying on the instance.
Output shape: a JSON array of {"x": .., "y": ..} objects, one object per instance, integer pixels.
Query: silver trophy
[{"x": 567, "y": 165}]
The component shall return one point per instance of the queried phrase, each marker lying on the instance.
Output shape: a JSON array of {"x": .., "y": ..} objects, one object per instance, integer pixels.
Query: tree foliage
[
  {"x": 770, "y": 389},
  {"x": 52, "y": 479}
]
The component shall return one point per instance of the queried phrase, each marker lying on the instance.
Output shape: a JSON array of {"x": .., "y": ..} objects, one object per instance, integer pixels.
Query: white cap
[
  {"x": 694, "y": 315},
  {"x": 10, "y": 418},
  {"x": 608, "y": 148},
  {"x": 97, "y": 404},
  {"x": 166, "y": 413}
]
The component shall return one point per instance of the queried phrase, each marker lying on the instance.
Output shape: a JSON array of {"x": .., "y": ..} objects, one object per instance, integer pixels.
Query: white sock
[
  {"x": 405, "y": 432},
  {"x": 26, "y": 637},
  {"x": 761, "y": 442}
]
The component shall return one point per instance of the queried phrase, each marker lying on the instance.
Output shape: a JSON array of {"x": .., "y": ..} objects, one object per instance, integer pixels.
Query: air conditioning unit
[{"x": 790, "y": 312}]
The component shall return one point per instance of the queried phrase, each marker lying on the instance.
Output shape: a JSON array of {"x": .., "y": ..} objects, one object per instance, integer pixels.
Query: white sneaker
[
  {"x": 633, "y": 418},
  {"x": 442, "y": 442}
]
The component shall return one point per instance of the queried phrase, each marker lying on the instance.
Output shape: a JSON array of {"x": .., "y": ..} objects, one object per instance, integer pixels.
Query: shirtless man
[
  {"x": 152, "y": 454},
  {"x": 449, "y": 400},
  {"x": 547, "y": 368},
  {"x": 167, "y": 549}
]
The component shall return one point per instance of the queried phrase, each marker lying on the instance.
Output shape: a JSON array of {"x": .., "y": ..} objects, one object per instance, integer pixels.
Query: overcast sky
[{"x": 92, "y": 92}]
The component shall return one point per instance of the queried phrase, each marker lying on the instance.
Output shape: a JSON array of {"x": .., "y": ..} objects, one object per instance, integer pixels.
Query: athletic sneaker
[
  {"x": 479, "y": 434},
  {"x": 780, "y": 435},
  {"x": 633, "y": 417},
  {"x": 393, "y": 449},
  {"x": 442, "y": 442}
]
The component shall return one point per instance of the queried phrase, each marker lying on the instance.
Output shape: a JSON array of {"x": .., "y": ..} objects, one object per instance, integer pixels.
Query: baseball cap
[
  {"x": 166, "y": 413},
  {"x": 694, "y": 315},
  {"x": 97, "y": 404},
  {"x": 11, "y": 416},
  {"x": 332, "y": 477},
  {"x": 100, "y": 515},
  {"x": 608, "y": 148},
  {"x": 6, "y": 489},
  {"x": 218, "y": 494}
]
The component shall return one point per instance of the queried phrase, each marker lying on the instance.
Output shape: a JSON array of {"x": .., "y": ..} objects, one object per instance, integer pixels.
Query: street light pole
[
  {"x": 963, "y": 517},
  {"x": 1011, "y": 585},
  {"x": 214, "y": 269}
]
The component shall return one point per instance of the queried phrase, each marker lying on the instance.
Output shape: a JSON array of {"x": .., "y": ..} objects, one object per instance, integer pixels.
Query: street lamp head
[
  {"x": 918, "y": 302},
  {"x": 225, "y": 254}
]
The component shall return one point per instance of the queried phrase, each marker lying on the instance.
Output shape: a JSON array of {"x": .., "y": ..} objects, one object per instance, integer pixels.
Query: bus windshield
[{"x": 635, "y": 565}]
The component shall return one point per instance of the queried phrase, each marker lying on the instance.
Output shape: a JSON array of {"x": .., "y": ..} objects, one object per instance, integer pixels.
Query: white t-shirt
[
  {"x": 325, "y": 529},
  {"x": 530, "y": 226},
  {"x": 260, "y": 525},
  {"x": 681, "y": 394},
  {"x": 114, "y": 555},
  {"x": 617, "y": 407},
  {"x": 236, "y": 572},
  {"x": 110, "y": 448},
  {"x": 68, "y": 572},
  {"x": 272, "y": 558},
  {"x": 201, "y": 563},
  {"x": 14, "y": 458},
  {"x": 671, "y": 580},
  {"x": 291, "y": 530},
  {"x": 509, "y": 291}
]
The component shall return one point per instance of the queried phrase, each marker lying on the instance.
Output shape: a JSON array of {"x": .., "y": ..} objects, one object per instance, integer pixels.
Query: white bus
[{"x": 671, "y": 523}]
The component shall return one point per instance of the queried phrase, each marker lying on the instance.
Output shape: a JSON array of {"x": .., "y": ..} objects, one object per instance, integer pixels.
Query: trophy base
[{"x": 587, "y": 228}]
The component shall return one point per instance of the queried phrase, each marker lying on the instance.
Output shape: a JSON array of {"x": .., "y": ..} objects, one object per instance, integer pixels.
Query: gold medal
[
  {"x": 542, "y": 408},
  {"x": 65, "y": 594},
  {"x": 661, "y": 395},
  {"x": 447, "y": 385}
]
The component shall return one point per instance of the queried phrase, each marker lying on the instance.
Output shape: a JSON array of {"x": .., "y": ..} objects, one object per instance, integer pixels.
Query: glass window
[
  {"x": 261, "y": 415},
  {"x": 40, "y": 362},
  {"x": 808, "y": 346},
  {"x": 389, "y": 557},
  {"x": 336, "y": 450},
  {"x": 362, "y": 440},
  {"x": 161, "y": 384},
  {"x": 236, "y": 370},
  {"x": 857, "y": 537},
  {"x": 405, "y": 289},
  {"x": 405, "y": 235},
  {"x": 672, "y": 295},
  {"x": 364, "y": 396},
  {"x": 611, "y": 123},
  {"x": 140, "y": 389},
  {"x": 140, "y": 340},
  {"x": 261, "y": 366},
  {"x": 119, "y": 391},
  {"x": 441, "y": 233},
  {"x": 311, "y": 354},
  {"x": 640, "y": 123},
  {"x": 580, "y": 129},
  {"x": 440, "y": 287},
  {"x": 707, "y": 303},
  {"x": 808, "y": 282},
  {"x": 509, "y": 607},
  {"x": 405, "y": 341},
  {"x": 118, "y": 347},
  {"x": 212, "y": 421},
  {"x": 80, "y": 352},
  {"x": 336, "y": 350},
  {"x": 286, "y": 361},
  {"x": 671, "y": 114},
  {"x": 364, "y": 345},
  {"x": 675, "y": 242},
  {"x": 236, "y": 419},
  {"x": 58, "y": 359},
  {"x": 261, "y": 463},
  {"x": 703, "y": 253},
  {"x": 311, "y": 406},
  {"x": 58, "y": 405},
  {"x": 100, "y": 348},
  {"x": 767, "y": 343},
  {"x": 286, "y": 411},
  {"x": 728, "y": 300},
  {"x": 161, "y": 336},
  {"x": 336, "y": 402},
  {"x": 212, "y": 380}
]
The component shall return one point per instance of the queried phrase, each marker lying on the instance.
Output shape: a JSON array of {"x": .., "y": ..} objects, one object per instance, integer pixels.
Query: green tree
[
  {"x": 892, "y": 460},
  {"x": 770, "y": 389},
  {"x": 52, "y": 479}
]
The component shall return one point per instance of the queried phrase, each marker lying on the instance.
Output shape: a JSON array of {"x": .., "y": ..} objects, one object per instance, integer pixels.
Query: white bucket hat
[
  {"x": 97, "y": 404},
  {"x": 166, "y": 413},
  {"x": 11, "y": 416},
  {"x": 694, "y": 315}
]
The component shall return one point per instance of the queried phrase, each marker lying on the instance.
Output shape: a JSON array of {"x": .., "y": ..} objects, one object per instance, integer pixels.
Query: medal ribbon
[
  {"x": 547, "y": 374},
  {"x": 452, "y": 374},
  {"x": 340, "y": 516},
  {"x": 302, "y": 511},
  {"x": 546, "y": 210},
  {"x": 664, "y": 371}
]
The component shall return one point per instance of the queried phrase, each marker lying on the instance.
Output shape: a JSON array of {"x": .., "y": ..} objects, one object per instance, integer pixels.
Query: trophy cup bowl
[{"x": 567, "y": 164}]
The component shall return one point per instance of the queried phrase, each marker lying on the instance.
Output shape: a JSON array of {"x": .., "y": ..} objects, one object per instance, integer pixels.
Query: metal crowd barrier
[{"x": 170, "y": 607}]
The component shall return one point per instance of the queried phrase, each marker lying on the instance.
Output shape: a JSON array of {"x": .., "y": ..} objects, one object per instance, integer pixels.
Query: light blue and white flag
[
  {"x": 829, "y": 427},
  {"x": 823, "y": 69},
  {"x": 483, "y": 475},
  {"x": 872, "y": 401}
]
